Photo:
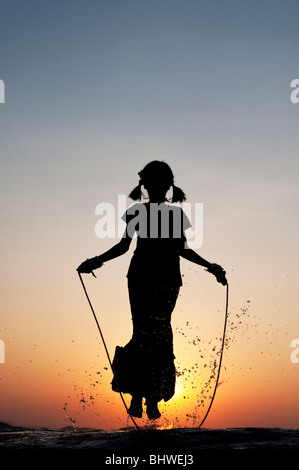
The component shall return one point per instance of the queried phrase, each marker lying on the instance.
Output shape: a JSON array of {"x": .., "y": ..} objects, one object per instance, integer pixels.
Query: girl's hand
[
  {"x": 89, "y": 265},
  {"x": 218, "y": 272},
  {"x": 85, "y": 267}
]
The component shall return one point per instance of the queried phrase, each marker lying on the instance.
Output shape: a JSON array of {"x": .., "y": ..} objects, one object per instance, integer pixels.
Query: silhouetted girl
[{"x": 145, "y": 366}]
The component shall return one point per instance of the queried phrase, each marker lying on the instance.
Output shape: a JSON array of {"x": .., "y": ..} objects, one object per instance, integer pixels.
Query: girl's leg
[
  {"x": 152, "y": 340},
  {"x": 136, "y": 406},
  {"x": 152, "y": 410}
]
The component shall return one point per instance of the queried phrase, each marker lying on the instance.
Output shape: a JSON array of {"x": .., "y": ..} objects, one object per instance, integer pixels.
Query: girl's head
[{"x": 157, "y": 178}]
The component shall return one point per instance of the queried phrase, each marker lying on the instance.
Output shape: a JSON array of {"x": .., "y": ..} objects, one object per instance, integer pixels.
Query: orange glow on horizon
[{"x": 57, "y": 360}]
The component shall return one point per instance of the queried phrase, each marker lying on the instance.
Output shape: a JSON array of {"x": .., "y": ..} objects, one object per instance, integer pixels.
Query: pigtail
[
  {"x": 136, "y": 194},
  {"x": 161, "y": 172},
  {"x": 178, "y": 194}
]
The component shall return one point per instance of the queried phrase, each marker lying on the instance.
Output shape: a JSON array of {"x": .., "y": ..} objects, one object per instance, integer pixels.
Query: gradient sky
[{"x": 94, "y": 90}]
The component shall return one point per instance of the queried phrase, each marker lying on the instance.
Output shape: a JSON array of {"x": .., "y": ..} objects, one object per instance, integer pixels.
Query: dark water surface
[{"x": 148, "y": 441}]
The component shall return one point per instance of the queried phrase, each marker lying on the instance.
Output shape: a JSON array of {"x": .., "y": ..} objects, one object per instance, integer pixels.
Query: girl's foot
[
  {"x": 136, "y": 407},
  {"x": 152, "y": 410}
]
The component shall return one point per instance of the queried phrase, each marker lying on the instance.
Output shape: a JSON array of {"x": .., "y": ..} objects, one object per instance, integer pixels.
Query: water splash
[
  {"x": 199, "y": 379},
  {"x": 196, "y": 378},
  {"x": 72, "y": 420}
]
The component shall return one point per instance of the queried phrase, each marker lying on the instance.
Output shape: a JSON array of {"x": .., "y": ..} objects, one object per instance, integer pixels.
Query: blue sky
[
  {"x": 94, "y": 90},
  {"x": 197, "y": 74}
]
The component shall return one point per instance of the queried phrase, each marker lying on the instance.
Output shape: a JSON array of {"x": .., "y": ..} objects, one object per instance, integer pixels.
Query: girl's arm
[
  {"x": 117, "y": 250},
  {"x": 213, "y": 268},
  {"x": 192, "y": 256}
]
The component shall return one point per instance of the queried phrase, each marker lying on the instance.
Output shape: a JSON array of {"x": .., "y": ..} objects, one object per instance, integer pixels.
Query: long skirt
[{"x": 145, "y": 366}]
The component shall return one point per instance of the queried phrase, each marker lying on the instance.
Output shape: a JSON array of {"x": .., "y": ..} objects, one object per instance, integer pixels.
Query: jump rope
[{"x": 110, "y": 363}]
